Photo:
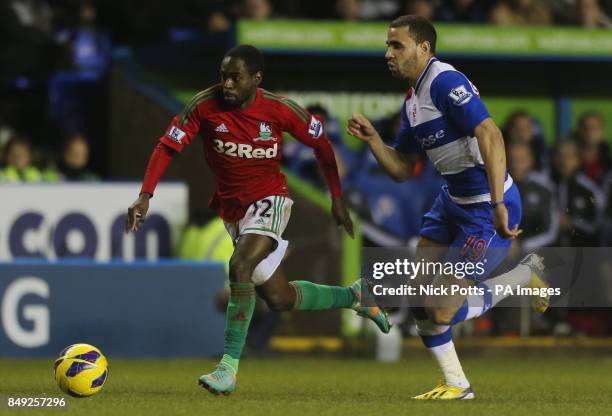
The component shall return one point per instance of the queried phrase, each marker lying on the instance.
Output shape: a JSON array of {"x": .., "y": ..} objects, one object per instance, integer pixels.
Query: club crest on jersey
[
  {"x": 413, "y": 113},
  {"x": 460, "y": 95},
  {"x": 265, "y": 132},
  {"x": 315, "y": 128},
  {"x": 176, "y": 134}
]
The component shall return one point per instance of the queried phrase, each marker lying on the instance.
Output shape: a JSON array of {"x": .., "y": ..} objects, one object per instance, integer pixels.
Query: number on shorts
[
  {"x": 477, "y": 247},
  {"x": 265, "y": 205}
]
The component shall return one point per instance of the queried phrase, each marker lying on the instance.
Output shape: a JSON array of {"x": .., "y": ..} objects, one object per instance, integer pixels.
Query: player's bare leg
[
  {"x": 276, "y": 292},
  {"x": 250, "y": 250}
]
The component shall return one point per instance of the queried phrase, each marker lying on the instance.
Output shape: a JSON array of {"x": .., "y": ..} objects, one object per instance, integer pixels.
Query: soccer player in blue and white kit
[{"x": 477, "y": 213}]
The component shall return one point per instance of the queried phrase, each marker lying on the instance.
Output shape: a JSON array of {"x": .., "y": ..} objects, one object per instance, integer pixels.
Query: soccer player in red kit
[{"x": 241, "y": 126}]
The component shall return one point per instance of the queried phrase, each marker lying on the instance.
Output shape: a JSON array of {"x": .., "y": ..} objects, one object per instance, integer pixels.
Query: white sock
[
  {"x": 445, "y": 354},
  {"x": 478, "y": 305},
  {"x": 519, "y": 276},
  {"x": 448, "y": 361}
]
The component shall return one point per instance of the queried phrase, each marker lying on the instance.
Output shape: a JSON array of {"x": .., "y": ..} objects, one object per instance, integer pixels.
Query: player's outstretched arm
[
  {"x": 161, "y": 157},
  {"x": 397, "y": 164},
  {"x": 491, "y": 145},
  {"x": 327, "y": 161}
]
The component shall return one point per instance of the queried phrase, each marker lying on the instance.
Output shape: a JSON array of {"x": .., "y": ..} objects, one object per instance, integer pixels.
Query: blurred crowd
[
  {"x": 60, "y": 51},
  {"x": 52, "y": 95},
  {"x": 137, "y": 21},
  {"x": 21, "y": 163},
  {"x": 585, "y": 13}
]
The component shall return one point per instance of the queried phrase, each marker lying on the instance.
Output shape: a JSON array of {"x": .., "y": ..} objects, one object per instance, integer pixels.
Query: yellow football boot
[
  {"x": 444, "y": 391},
  {"x": 536, "y": 263}
]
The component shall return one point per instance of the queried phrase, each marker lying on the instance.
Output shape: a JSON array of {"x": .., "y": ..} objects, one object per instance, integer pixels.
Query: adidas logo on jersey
[{"x": 221, "y": 128}]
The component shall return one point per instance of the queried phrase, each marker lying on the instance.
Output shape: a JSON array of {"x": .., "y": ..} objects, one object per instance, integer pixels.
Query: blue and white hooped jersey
[{"x": 439, "y": 116}]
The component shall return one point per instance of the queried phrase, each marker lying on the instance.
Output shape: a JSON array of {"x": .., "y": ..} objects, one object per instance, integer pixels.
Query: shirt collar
[{"x": 422, "y": 76}]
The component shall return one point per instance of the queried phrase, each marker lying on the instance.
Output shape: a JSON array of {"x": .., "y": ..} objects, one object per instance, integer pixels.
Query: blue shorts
[{"x": 470, "y": 233}]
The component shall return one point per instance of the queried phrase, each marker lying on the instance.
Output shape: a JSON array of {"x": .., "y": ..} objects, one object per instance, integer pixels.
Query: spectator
[
  {"x": 300, "y": 159},
  {"x": 216, "y": 15},
  {"x": 349, "y": 10},
  {"x": 73, "y": 165},
  {"x": 26, "y": 40},
  {"x": 90, "y": 46},
  {"x": 589, "y": 14},
  {"x": 585, "y": 13},
  {"x": 607, "y": 225},
  {"x": 540, "y": 220},
  {"x": 578, "y": 198},
  {"x": 18, "y": 158},
  {"x": 218, "y": 22},
  {"x": 423, "y": 8},
  {"x": 378, "y": 9},
  {"x": 5, "y": 135},
  {"x": 594, "y": 151},
  {"x": 464, "y": 11},
  {"x": 255, "y": 9},
  {"x": 521, "y": 13},
  {"x": 86, "y": 46},
  {"x": 521, "y": 128}
]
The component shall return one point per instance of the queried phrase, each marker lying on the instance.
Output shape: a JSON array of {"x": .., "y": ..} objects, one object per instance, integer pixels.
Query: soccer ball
[{"x": 81, "y": 370}]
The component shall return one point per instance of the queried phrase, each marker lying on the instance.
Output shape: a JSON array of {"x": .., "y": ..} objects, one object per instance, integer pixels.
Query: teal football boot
[
  {"x": 220, "y": 381},
  {"x": 365, "y": 306}
]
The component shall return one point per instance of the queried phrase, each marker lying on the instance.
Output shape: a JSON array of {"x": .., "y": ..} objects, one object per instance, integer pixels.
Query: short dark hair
[
  {"x": 419, "y": 28},
  {"x": 251, "y": 56}
]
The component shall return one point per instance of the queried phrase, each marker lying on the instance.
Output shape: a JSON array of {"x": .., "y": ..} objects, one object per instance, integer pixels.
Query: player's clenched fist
[
  {"x": 361, "y": 128},
  {"x": 137, "y": 213}
]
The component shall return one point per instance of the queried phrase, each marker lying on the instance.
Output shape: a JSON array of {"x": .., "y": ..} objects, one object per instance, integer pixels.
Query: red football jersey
[{"x": 243, "y": 146}]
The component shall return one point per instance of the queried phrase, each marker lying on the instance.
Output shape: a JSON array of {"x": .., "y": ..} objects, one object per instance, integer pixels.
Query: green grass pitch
[{"x": 539, "y": 385}]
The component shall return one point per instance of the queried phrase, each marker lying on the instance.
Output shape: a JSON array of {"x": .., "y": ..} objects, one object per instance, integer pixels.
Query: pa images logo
[{"x": 460, "y": 95}]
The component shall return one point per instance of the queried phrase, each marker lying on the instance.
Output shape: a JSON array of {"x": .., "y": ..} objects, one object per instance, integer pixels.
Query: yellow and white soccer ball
[{"x": 81, "y": 370}]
